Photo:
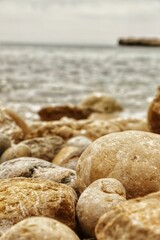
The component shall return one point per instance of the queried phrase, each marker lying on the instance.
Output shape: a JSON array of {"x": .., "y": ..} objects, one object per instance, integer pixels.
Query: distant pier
[{"x": 146, "y": 42}]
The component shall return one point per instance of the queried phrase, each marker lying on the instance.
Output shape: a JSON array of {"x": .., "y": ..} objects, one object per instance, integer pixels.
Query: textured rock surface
[
  {"x": 17, "y": 151},
  {"x": 44, "y": 148},
  {"x": 21, "y": 198},
  {"x": 136, "y": 219},
  {"x": 132, "y": 157},
  {"x": 5, "y": 143},
  {"x": 37, "y": 168},
  {"x": 39, "y": 228},
  {"x": 96, "y": 200},
  {"x": 79, "y": 141}
]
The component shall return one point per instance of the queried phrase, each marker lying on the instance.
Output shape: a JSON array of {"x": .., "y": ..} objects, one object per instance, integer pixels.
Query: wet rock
[
  {"x": 22, "y": 197},
  {"x": 68, "y": 157},
  {"x": 132, "y": 157},
  {"x": 15, "y": 151},
  {"x": 37, "y": 168},
  {"x": 101, "y": 103},
  {"x": 153, "y": 116},
  {"x": 5, "y": 143},
  {"x": 39, "y": 228},
  {"x": 101, "y": 195},
  {"x": 52, "y": 113},
  {"x": 45, "y": 148},
  {"x": 136, "y": 219}
]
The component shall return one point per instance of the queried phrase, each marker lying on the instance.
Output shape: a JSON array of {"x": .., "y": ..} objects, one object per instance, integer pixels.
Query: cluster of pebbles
[{"x": 80, "y": 172}]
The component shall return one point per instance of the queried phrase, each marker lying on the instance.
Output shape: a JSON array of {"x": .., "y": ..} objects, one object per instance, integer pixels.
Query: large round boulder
[{"x": 132, "y": 157}]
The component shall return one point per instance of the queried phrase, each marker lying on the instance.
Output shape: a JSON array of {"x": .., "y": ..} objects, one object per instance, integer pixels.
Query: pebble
[
  {"x": 5, "y": 143},
  {"x": 16, "y": 151},
  {"x": 97, "y": 199},
  {"x": 45, "y": 148},
  {"x": 39, "y": 228}
]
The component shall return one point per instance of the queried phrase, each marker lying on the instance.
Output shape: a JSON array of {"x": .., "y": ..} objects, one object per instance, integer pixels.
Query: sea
[{"x": 34, "y": 75}]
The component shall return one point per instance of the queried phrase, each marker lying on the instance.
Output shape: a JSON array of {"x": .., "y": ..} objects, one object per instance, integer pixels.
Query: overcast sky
[{"x": 78, "y": 21}]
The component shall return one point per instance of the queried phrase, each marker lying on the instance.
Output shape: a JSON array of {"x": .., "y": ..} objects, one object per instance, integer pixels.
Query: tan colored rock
[
  {"x": 22, "y": 197},
  {"x": 132, "y": 157},
  {"x": 52, "y": 113},
  {"x": 5, "y": 143},
  {"x": 68, "y": 157},
  {"x": 16, "y": 151},
  {"x": 45, "y": 148},
  {"x": 146, "y": 42},
  {"x": 79, "y": 141},
  {"x": 37, "y": 168},
  {"x": 136, "y": 219},
  {"x": 101, "y": 103},
  {"x": 153, "y": 116},
  {"x": 97, "y": 199},
  {"x": 39, "y": 228}
]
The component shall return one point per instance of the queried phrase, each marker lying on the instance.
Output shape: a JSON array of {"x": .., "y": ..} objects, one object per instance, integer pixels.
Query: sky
[{"x": 78, "y": 21}]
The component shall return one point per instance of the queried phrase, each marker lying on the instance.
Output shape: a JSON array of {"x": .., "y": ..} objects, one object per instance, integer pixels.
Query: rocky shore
[
  {"x": 146, "y": 42},
  {"x": 80, "y": 172}
]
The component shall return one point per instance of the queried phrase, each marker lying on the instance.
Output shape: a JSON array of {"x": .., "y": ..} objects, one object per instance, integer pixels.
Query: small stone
[
  {"x": 79, "y": 141},
  {"x": 68, "y": 157},
  {"x": 97, "y": 199},
  {"x": 16, "y": 151},
  {"x": 132, "y": 157},
  {"x": 45, "y": 147},
  {"x": 52, "y": 113},
  {"x": 22, "y": 197},
  {"x": 39, "y": 228},
  {"x": 101, "y": 103},
  {"x": 5, "y": 143}
]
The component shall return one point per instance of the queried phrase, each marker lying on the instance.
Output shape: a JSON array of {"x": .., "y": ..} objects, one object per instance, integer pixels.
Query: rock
[
  {"x": 22, "y": 197},
  {"x": 101, "y": 103},
  {"x": 5, "y": 143},
  {"x": 153, "y": 116},
  {"x": 39, "y": 228},
  {"x": 45, "y": 148},
  {"x": 136, "y": 219},
  {"x": 16, "y": 151},
  {"x": 37, "y": 168},
  {"x": 68, "y": 157},
  {"x": 101, "y": 195},
  {"x": 145, "y": 42},
  {"x": 132, "y": 157},
  {"x": 79, "y": 141},
  {"x": 52, "y": 113}
]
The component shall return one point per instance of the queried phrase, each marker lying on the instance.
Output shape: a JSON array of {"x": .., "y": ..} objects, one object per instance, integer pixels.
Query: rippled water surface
[{"x": 35, "y": 76}]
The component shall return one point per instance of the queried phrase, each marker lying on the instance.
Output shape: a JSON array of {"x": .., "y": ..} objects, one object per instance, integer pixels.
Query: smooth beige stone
[
  {"x": 132, "y": 157},
  {"x": 68, "y": 157},
  {"x": 5, "y": 143},
  {"x": 97, "y": 199},
  {"x": 101, "y": 103},
  {"x": 22, "y": 197},
  {"x": 16, "y": 151},
  {"x": 136, "y": 219},
  {"x": 39, "y": 228}
]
